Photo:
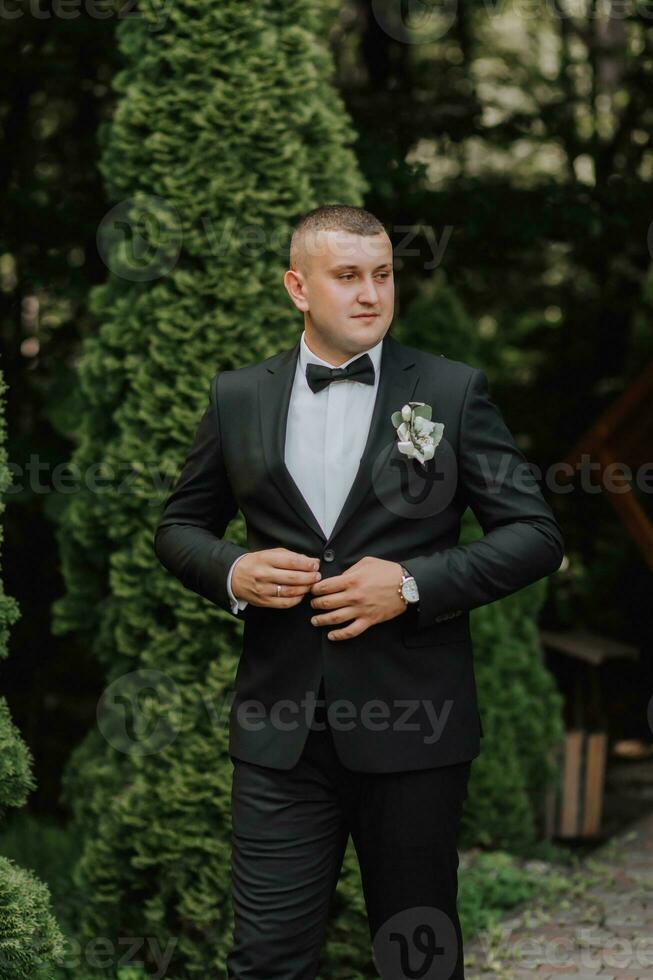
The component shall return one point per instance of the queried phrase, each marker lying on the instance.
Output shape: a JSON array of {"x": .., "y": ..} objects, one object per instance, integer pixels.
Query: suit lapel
[
  {"x": 397, "y": 383},
  {"x": 398, "y": 379},
  {"x": 274, "y": 393}
]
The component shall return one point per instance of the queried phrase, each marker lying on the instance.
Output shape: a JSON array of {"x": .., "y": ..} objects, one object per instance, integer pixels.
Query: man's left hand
[{"x": 366, "y": 593}]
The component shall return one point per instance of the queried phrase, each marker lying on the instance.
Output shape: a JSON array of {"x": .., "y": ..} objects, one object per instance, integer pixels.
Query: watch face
[{"x": 409, "y": 590}]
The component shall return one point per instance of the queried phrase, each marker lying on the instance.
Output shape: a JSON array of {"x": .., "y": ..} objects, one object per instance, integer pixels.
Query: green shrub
[
  {"x": 30, "y": 938},
  {"x": 226, "y": 120}
]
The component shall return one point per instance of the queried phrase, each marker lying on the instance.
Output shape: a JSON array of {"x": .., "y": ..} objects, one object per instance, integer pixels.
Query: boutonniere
[{"x": 417, "y": 435}]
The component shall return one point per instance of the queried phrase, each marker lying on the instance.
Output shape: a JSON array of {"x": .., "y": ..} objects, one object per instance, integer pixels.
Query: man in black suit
[{"x": 352, "y": 458}]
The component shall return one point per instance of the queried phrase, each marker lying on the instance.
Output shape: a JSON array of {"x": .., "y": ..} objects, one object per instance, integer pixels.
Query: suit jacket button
[{"x": 328, "y": 554}]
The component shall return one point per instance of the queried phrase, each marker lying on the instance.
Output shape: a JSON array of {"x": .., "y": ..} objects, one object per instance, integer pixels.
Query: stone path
[{"x": 602, "y": 929}]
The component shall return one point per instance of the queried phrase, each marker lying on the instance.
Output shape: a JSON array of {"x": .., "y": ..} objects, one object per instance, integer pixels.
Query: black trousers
[{"x": 290, "y": 832}]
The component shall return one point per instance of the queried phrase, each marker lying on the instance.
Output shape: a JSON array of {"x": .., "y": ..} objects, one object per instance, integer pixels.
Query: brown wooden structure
[
  {"x": 621, "y": 437},
  {"x": 624, "y": 435},
  {"x": 574, "y": 806}
]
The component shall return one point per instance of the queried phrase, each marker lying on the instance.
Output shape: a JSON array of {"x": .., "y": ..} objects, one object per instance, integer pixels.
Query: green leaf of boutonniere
[{"x": 423, "y": 411}]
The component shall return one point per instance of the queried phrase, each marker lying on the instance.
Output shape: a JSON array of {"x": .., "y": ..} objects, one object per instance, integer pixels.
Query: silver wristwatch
[{"x": 408, "y": 589}]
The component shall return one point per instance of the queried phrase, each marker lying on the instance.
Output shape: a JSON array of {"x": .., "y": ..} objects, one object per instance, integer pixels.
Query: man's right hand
[{"x": 256, "y": 576}]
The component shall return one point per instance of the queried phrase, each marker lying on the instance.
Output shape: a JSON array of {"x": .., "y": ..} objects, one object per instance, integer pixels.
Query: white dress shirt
[{"x": 323, "y": 448}]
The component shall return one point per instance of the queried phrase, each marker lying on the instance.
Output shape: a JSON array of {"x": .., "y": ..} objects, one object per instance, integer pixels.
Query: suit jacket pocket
[{"x": 455, "y": 630}]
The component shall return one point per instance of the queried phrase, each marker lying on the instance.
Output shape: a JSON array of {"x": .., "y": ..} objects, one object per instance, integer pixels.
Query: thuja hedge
[
  {"x": 30, "y": 938},
  {"x": 226, "y": 124}
]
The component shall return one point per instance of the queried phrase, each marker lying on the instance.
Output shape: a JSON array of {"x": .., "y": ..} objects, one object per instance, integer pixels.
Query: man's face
[{"x": 342, "y": 276}]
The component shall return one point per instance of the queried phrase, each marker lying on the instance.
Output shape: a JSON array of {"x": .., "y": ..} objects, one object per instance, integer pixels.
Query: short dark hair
[{"x": 332, "y": 217}]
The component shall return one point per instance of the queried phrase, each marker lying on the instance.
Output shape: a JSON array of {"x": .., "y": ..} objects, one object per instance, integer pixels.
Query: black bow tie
[{"x": 319, "y": 376}]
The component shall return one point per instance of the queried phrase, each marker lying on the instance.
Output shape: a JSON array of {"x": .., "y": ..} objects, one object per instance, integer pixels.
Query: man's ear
[{"x": 293, "y": 281}]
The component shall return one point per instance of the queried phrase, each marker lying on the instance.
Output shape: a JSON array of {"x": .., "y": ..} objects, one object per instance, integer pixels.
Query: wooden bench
[{"x": 574, "y": 806}]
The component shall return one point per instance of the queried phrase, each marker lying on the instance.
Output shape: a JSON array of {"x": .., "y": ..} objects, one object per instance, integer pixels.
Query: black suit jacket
[{"x": 406, "y": 687}]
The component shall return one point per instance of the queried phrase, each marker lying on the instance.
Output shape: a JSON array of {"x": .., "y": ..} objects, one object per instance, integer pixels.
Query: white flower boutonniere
[{"x": 418, "y": 436}]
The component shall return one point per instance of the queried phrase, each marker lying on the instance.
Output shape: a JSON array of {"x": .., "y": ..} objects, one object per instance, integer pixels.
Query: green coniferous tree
[
  {"x": 227, "y": 129},
  {"x": 437, "y": 321},
  {"x": 519, "y": 703},
  {"x": 30, "y": 938}
]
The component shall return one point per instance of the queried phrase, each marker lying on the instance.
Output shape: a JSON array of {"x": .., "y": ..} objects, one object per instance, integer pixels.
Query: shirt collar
[{"x": 306, "y": 355}]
